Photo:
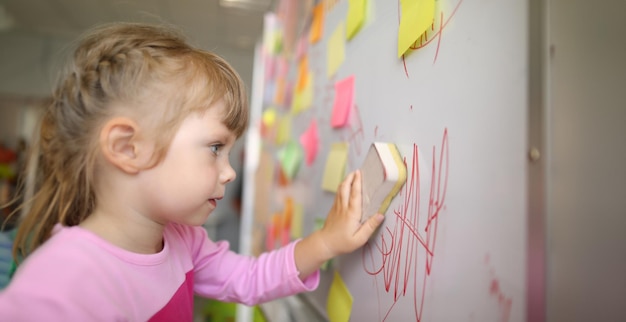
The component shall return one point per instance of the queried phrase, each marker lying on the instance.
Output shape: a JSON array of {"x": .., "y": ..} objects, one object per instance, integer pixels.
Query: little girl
[{"x": 132, "y": 158}]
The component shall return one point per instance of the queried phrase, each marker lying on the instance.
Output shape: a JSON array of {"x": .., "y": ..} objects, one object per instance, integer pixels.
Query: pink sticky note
[
  {"x": 310, "y": 142},
  {"x": 282, "y": 67},
  {"x": 344, "y": 99}
]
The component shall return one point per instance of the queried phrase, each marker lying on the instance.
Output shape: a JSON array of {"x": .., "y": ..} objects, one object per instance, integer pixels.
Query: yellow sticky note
[
  {"x": 356, "y": 15},
  {"x": 335, "y": 52},
  {"x": 335, "y": 166},
  {"x": 284, "y": 129},
  {"x": 416, "y": 17},
  {"x": 317, "y": 23},
  {"x": 269, "y": 117},
  {"x": 296, "y": 221},
  {"x": 339, "y": 305},
  {"x": 302, "y": 100}
]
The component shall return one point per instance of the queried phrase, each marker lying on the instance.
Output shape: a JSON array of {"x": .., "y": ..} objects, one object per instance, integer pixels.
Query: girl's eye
[{"x": 216, "y": 148}]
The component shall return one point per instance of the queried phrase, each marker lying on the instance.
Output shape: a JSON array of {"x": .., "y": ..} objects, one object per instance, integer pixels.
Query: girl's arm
[{"x": 342, "y": 232}]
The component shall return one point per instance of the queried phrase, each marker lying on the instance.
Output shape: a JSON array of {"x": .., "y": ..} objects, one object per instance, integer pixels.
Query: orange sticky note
[
  {"x": 339, "y": 304},
  {"x": 303, "y": 71},
  {"x": 317, "y": 23},
  {"x": 279, "y": 95},
  {"x": 356, "y": 15},
  {"x": 344, "y": 99},
  {"x": 415, "y": 17},
  {"x": 336, "y": 52},
  {"x": 335, "y": 166}
]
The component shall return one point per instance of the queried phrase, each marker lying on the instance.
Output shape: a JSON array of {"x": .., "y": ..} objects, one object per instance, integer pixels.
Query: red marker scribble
[
  {"x": 353, "y": 132},
  {"x": 504, "y": 302},
  {"x": 429, "y": 35},
  {"x": 403, "y": 255}
]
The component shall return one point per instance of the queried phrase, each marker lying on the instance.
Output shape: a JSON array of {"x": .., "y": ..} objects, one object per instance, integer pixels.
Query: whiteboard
[{"x": 454, "y": 242}]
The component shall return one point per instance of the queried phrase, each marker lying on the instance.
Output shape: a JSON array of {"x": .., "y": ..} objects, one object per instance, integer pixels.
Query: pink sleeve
[{"x": 227, "y": 276}]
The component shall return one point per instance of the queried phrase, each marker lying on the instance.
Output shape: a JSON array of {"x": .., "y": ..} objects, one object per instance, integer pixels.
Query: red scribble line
[
  {"x": 438, "y": 35},
  {"x": 394, "y": 256},
  {"x": 442, "y": 25},
  {"x": 355, "y": 132},
  {"x": 504, "y": 302}
]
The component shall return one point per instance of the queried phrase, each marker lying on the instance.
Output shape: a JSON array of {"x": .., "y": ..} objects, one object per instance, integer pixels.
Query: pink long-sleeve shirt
[{"x": 77, "y": 276}]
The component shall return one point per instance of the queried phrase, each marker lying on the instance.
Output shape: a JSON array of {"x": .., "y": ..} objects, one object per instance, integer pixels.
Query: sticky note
[
  {"x": 268, "y": 122},
  {"x": 290, "y": 157},
  {"x": 335, "y": 52},
  {"x": 270, "y": 66},
  {"x": 355, "y": 17},
  {"x": 284, "y": 129},
  {"x": 296, "y": 221},
  {"x": 269, "y": 117},
  {"x": 301, "y": 47},
  {"x": 289, "y": 94},
  {"x": 279, "y": 95},
  {"x": 344, "y": 99},
  {"x": 302, "y": 100},
  {"x": 415, "y": 17},
  {"x": 288, "y": 212},
  {"x": 317, "y": 22},
  {"x": 335, "y": 166},
  {"x": 303, "y": 71},
  {"x": 282, "y": 67},
  {"x": 339, "y": 303},
  {"x": 310, "y": 142},
  {"x": 383, "y": 173}
]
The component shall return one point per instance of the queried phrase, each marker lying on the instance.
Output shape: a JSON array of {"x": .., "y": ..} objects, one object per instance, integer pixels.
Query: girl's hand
[{"x": 342, "y": 232}]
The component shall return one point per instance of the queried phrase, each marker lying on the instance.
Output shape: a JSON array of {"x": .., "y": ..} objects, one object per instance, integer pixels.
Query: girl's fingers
[
  {"x": 367, "y": 229},
  {"x": 355, "y": 193},
  {"x": 344, "y": 189}
]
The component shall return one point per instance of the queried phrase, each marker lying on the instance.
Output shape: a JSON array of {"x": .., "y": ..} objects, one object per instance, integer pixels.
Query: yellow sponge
[{"x": 383, "y": 174}]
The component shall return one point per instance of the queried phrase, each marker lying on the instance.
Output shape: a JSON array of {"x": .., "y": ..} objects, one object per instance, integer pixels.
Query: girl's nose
[{"x": 227, "y": 174}]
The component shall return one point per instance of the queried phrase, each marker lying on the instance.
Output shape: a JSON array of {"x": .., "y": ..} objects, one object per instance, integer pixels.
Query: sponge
[{"x": 383, "y": 173}]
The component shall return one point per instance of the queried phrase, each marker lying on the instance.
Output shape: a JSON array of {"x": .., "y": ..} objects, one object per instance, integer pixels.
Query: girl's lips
[{"x": 213, "y": 201}]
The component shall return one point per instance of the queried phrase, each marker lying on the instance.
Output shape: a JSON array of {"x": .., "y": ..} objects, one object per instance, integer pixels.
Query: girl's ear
[{"x": 122, "y": 145}]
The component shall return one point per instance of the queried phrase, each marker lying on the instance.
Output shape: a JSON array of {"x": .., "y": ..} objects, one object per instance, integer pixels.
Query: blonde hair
[{"x": 122, "y": 64}]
